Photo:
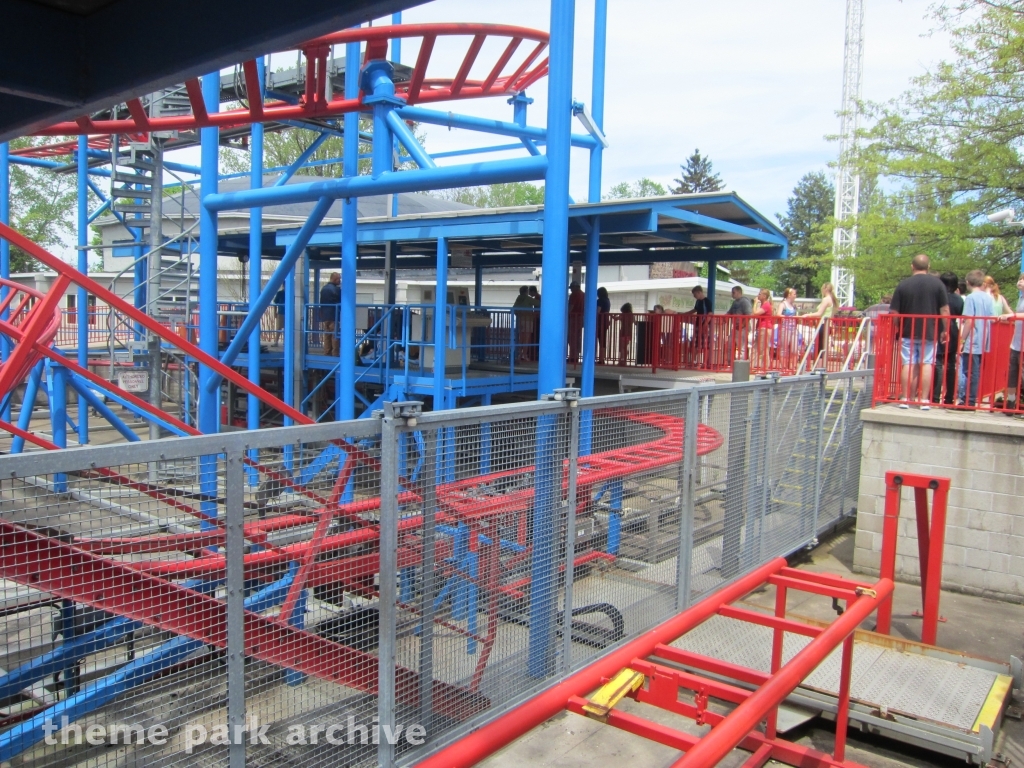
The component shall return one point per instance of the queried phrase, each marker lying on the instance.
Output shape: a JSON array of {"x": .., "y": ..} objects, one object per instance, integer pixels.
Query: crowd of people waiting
[
  {"x": 945, "y": 328},
  {"x": 950, "y": 326}
]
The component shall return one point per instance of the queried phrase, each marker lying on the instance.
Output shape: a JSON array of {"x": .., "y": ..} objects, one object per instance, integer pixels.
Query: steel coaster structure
[
  {"x": 173, "y": 594},
  {"x": 88, "y": 570},
  {"x": 495, "y": 535},
  {"x": 30, "y": 320},
  {"x": 310, "y": 96}
]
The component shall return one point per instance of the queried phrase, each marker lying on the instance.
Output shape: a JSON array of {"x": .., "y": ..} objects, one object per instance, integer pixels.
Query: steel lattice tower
[{"x": 844, "y": 238}]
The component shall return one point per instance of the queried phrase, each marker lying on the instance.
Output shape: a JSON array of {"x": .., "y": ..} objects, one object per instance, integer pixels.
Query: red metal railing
[
  {"x": 98, "y": 329},
  {"x": 713, "y": 342},
  {"x": 661, "y": 684},
  {"x": 965, "y": 363}
]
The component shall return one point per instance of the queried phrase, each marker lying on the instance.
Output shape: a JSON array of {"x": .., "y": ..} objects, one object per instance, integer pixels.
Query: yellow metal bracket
[
  {"x": 611, "y": 693},
  {"x": 997, "y": 698}
]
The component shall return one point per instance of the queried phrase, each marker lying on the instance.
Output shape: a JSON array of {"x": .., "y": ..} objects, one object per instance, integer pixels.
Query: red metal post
[
  {"x": 890, "y": 532},
  {"x": 931, "y": 534},
  {"x": 843, "y": 714},
  {"x": 937, "y": 542},
  {"x": 777, "y": 639}
]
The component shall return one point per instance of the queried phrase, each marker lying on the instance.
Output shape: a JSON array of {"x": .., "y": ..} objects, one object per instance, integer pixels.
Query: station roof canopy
[
  {"x": 716, "y": 226},
  {"x": 60, "y": 59}
]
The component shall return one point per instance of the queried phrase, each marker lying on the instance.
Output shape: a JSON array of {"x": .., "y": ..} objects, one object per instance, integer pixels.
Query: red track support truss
[
  {"x": 505, "y": 74},
  {"x": 687, "y": 693},
  {"x": 931, "y": 541}
]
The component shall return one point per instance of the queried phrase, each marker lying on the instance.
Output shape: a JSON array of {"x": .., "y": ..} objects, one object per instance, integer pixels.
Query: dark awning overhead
[{"x": 60, "y": 59}]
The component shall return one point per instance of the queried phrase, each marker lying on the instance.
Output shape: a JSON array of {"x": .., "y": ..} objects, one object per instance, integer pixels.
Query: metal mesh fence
[
  {"x": 629, "y": 520},
  {"x": 360, "y": 593},
  {"x": 476, "y": 623}
]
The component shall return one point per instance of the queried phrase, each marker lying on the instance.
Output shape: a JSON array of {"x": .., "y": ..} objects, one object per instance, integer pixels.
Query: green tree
[
  {"x": 507, "y": 195},
  {"x": 644, "y": 187},
  {"x": 698, "y": 176},
  {"x": 43, "y": 206},
  {"x": 808, "y": 225},
  {"x": 283, "y": 147},
  {"x": 947, "y": 151}
]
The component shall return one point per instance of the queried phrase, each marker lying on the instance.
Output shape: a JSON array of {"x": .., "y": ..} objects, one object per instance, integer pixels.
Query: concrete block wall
[{"x": 983, "y": 455}]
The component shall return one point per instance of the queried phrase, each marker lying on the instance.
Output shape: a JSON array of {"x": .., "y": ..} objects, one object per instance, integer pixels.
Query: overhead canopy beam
[{"x": 723, "y": 226}]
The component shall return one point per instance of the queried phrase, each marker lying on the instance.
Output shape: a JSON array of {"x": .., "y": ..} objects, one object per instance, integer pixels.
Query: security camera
[{"x": 1001, "y": 217}]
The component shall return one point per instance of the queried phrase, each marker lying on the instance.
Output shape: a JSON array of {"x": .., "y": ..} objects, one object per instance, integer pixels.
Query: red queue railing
[
  {"x": 971, "y": 364},
  {"x": 654, "y": 341},
  {"x": 713, "y": 342}
]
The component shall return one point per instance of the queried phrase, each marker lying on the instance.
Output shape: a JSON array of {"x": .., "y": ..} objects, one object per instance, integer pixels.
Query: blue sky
[{"x": 754, "y": 84}]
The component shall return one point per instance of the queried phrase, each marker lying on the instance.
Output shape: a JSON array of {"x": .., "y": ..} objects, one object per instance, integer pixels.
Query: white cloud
[{"x": 755, "y": 85}]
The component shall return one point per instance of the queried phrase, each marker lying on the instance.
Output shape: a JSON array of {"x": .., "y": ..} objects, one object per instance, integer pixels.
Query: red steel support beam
[
  {"x": 744, "y": 719},
  {"x": 49, "y": 565},
  {"x": 491, "y": 737}
]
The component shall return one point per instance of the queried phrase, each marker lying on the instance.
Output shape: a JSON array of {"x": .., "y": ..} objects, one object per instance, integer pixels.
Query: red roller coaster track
[
  {"x": 146, "y": 590},
  {"x": 504, "y": 75}
]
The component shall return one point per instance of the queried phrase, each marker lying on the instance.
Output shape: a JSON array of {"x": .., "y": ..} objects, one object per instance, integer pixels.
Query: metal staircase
[
  {"x": 816, "y": 433},
  {"x": 166, "y": 281}
]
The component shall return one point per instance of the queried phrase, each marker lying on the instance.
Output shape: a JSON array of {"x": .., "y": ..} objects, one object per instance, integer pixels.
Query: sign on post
[{"x": 133, "y": 381}]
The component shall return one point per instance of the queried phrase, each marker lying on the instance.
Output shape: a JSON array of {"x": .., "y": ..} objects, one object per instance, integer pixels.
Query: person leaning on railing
[
  {"x": 763, "y": 313},
  {"x": 625, "y": 332},
  {"x": 826, "y": 308},
  {"x": 944, "y": 383},
  {"x": 702, "y": 311},
  {"x": 1015, "y": 381},
  {"x": 330, "y": 300},
  {"x": 919, "y": 294},
  {"x": 974, "y": 336}
]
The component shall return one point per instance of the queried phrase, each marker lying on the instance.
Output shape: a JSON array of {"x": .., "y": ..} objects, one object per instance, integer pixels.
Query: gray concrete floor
[{"x": 976, "y": 625}]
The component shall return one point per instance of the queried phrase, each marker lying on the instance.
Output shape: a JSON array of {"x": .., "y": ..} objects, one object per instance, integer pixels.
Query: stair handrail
[
  {"x": 865, "y": 322},
  {"x": 145, "y": 257},
  {"x": 115, "y": 321},
  {"x": 381, "y": 360},
  {"x": 803, "y": 360}
]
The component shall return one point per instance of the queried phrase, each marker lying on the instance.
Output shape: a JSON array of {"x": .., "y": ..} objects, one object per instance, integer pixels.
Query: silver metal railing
[{"x": 422, "y": 570}]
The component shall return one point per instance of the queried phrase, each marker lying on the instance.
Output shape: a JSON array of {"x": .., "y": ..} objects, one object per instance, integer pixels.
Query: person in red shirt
[
  {"x": 763, "y": 312},
  {"x": 577, "y": 303}
]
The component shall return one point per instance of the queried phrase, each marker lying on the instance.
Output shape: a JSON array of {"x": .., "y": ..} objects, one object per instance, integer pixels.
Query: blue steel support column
[
  {"x": 597, "y": 95},
  {"x": 712, "y": 282},
  {"x": 5, "y": 247},
  {"x": 255, "y": 266},
  {"x": 551, "y": 373},
  {"x": 58, "y": 386},
  {"x": 290, "y": 357},
  {"x": 346, "y": 407},
  {"x": 478, "y": 286},
  {"x": 376, "y": 80},
  {"x": 82, "y": 300},
  {"x": 594, "y": 236},
  {"x": 396, "y": 44},
  {"x": 27, "y": 403},
  {"x": 519, "y": 104},
  {"x": 440, "y": 322},
  {"x": 209, "y": 402}
]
